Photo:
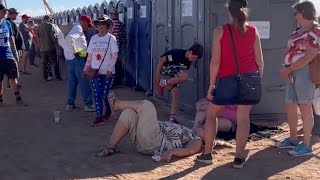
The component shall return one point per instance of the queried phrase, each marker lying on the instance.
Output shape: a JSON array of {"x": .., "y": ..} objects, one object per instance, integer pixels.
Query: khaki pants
[{"x": 144, "y": 129}]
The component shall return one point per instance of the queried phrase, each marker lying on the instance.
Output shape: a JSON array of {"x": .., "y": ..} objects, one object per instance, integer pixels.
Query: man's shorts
[
  {"x": 301, "y": 91},
  {"x": 171, "y": 72},
  {"x": 8, "y": 67}
]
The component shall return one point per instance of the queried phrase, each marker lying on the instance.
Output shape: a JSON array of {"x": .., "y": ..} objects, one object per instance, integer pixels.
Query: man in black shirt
[{"x": 171, "y": 72}]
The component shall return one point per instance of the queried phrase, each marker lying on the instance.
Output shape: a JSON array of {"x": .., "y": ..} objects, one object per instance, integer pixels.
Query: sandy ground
[{"x": 33, "y": 147}]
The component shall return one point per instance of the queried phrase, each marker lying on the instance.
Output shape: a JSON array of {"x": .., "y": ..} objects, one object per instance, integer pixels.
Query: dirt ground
[{"x": 33, "y": 147}]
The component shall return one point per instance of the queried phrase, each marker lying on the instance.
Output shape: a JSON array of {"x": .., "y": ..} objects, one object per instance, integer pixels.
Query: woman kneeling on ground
[{"x": 139, "y": 121}]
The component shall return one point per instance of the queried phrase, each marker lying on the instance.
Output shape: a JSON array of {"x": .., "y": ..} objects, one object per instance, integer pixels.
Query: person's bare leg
[
  {"x": 122, "y": 105},
  {"x": 243, "y": 129},
  {"x": 224, "y": 125},
  {"x": 175, "y": 92},
  {"x": 118, "y": 133},
  {"x": 292, "y": 112},
  {"x": 211, "y": 127},
  {"x": 14, "y": 85},
  {"x": 1, "y": 92},
  {"x": 308, "y": 122},
  {"x": 183, "y": 76},
  {"x": 25, "y": 57}
]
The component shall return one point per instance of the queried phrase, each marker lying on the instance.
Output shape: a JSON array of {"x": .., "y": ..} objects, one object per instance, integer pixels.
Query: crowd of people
[{"x": 93, "y": 51}]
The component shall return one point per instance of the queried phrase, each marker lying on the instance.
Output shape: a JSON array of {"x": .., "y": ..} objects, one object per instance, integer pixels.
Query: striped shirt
[{"x": 119, "y": 32}]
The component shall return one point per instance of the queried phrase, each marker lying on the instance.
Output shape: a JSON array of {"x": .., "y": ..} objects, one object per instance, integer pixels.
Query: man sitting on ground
[
  {"x": 139, "y": 121},
  {"x": 227, "y": 119}
]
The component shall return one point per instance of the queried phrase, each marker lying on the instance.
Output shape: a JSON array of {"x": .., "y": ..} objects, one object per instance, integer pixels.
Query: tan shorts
[{"x": 144, "y": 129}]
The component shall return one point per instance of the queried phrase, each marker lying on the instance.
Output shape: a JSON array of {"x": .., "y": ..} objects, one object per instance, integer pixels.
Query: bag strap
[
  {"x": 105, "y": 53},
  {"x": 234, "y": 49}
]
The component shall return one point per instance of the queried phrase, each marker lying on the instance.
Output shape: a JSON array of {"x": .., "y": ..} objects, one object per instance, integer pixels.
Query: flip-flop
[
  {"x": 106, "y": 152},
  {"x": 112, "y": 99}
]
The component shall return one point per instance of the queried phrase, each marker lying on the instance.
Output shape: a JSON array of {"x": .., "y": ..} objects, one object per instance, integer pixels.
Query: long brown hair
[
  {"x": 239, "y": 13},
  {"x": 307, "y": 9}
]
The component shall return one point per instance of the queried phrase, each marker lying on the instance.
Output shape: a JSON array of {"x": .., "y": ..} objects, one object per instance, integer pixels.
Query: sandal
[
  {"x": 106, "y": 152},
  {"x": 112, "y": 99}
]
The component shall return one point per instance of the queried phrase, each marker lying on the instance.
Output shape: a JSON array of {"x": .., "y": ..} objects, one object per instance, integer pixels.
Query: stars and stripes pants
[{"x": 101, "y": 86}]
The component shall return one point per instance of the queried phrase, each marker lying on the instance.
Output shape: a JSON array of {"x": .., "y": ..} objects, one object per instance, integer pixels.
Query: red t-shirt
[{"x": 245, "y": 53}]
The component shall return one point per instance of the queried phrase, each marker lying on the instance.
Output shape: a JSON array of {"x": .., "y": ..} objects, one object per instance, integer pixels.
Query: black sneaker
[
  {"x": 205, "y": 158},
  {"x": 238, "y": 163}
]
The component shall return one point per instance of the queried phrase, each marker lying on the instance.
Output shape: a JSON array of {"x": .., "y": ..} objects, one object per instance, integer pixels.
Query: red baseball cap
[
  {"x": 25, "y": 16},
  {"x": 87, "y": 19}
]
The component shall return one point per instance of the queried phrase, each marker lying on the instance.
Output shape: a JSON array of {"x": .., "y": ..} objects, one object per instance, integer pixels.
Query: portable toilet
[{"x": 96, "y": 9}]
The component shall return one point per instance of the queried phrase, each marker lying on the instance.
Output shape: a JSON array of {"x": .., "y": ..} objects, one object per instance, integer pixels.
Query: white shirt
[
  {"x": 74, "y": 40},
  {"x": 97, "y": 49}
]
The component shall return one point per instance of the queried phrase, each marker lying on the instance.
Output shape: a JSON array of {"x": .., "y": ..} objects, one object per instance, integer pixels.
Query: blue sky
[{"x": 35, "y": 7}]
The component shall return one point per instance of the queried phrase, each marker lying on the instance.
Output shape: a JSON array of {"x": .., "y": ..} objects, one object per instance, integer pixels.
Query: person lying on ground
[
  {"x": 227, "y": 120},
  {"x": 139, "y": 121}
]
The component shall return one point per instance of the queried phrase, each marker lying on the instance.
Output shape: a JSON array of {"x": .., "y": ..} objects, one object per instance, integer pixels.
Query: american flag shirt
[
  {"x": 299, "y": 41},
  {"x": 119, "y": 32}
]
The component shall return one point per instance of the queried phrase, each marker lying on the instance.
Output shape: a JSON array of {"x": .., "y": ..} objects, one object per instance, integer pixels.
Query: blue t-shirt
[{"x": 5, "y": 35}]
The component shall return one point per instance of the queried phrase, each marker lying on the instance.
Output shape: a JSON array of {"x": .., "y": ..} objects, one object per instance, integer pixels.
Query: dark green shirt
[{"x": 45, "y": 34}]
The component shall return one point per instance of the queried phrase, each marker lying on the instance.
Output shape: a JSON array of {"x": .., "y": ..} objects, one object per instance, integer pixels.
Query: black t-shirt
[
  {"x": 176, "y": 57},
  {"x": 16, "y": 34}
]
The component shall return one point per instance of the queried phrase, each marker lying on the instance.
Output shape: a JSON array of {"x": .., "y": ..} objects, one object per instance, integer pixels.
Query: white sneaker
[
  {"x": 89, "y": 108},
  {"x": 49, "y": 78},
  {"x": 69, "y": 107}
]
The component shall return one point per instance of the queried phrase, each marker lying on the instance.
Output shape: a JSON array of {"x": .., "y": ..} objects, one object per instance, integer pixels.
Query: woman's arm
[
  {"x": 215, "y": 60},
  {"x": 311, "y": 53},
  {"x": 258, "y": 53}
]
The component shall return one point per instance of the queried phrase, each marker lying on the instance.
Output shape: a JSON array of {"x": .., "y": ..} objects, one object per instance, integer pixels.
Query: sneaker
[
  {"x": 173, "y": 119},
  {"x": 106, "y": 116},
  {"x": 285, "y": 144},
  {"x": 301, "y": 150},
  {"x": 89, "y": 108},
  {"x": 97, "y": 122},
  {"x": 69, "y": 107},
  {"x": 205, "y": 158},
  {"x": 238, "y": 163},
  {"x": 21, "y": 103}
]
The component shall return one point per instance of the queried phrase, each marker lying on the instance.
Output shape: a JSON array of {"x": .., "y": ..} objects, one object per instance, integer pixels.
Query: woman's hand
[
  {"x": 166, "y": 156},
  {"x": 285, "y": 73},
  {"x": 210, "y": 93},
  {"x": 109, "y": 74}
]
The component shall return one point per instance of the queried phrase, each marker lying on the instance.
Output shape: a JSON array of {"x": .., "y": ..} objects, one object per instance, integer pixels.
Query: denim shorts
[{"x": 301, "y": 91}]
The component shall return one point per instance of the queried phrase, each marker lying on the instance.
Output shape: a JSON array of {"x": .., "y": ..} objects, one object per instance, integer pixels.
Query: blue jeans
[
  {"x": 75, "y": 69},
  {"x": 101, "y": 87}
]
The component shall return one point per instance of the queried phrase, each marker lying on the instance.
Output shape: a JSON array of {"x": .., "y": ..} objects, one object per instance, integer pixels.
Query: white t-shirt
[{"x": 97, "y": 49}]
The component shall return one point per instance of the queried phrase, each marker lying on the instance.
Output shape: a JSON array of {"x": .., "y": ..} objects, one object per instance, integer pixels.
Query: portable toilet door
[
  {"x": 130, "y": 64},
  {"x": 84, "y": 11},
  {"x": 96, "y": 10},
  {"x": 111, "y": 6},
  {"x": 78, "y": 14},
  {"x": 103, "y": 8},
  {"x": 73, "y": 15},
  {"x": 162, "y": 27},
  {"x": 144, "y": 64},
  {"x": 90, "y": 11},
  {"x": 189, "y": 29}
]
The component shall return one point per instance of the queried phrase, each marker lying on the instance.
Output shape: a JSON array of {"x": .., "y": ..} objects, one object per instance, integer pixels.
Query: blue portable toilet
[
  {"x": 90, "y": 11},
  {"x": 144, "y": 63},
  {"x": 131, "y": 61}
]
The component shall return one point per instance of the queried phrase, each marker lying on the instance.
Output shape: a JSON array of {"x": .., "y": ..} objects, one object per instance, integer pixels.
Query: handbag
[
  {"x": 315, "y": 69},
  {"x": 239, "y": 89},
  {"x": 91, "y": 72}
]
